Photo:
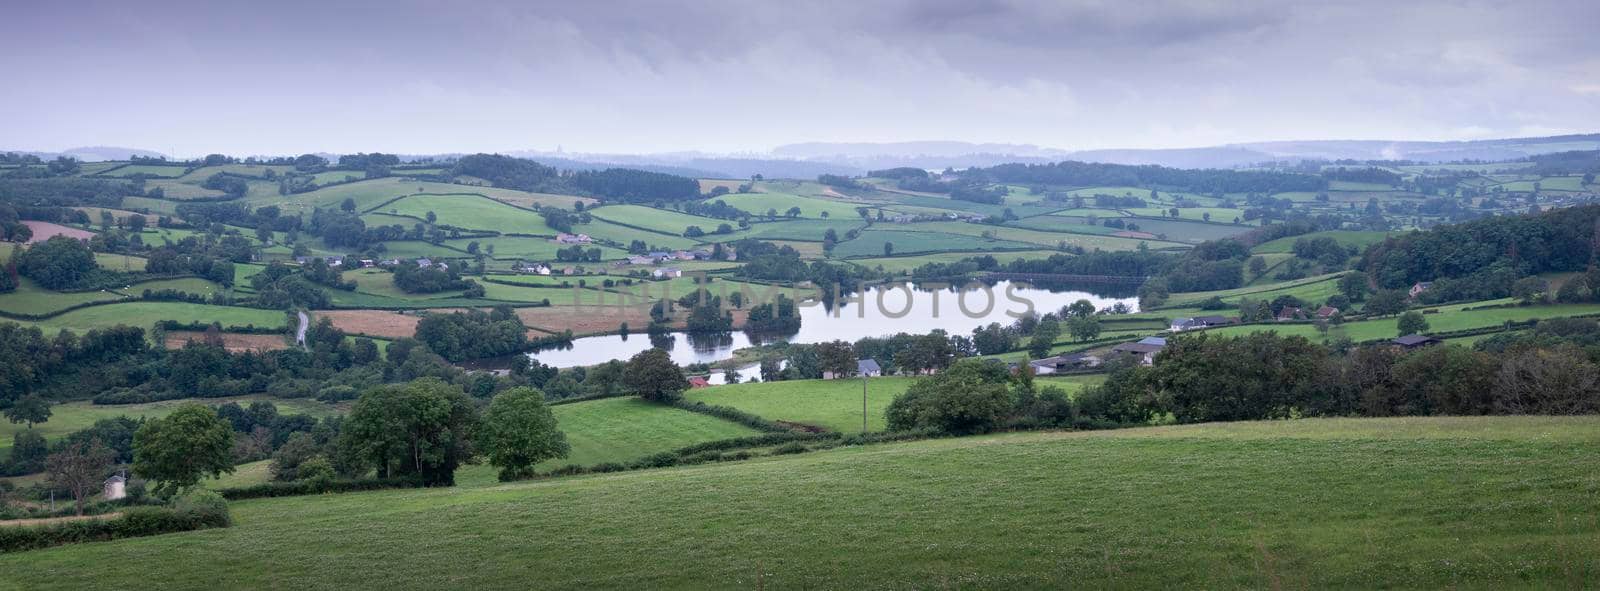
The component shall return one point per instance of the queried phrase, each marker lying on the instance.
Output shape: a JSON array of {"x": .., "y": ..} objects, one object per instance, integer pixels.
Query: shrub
[
  {"x": 306, "y": 487},
  {"x": 793, "y": 447}
]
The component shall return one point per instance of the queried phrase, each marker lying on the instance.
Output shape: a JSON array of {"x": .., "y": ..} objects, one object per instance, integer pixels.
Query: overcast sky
[{"x": 741, "y": 75}]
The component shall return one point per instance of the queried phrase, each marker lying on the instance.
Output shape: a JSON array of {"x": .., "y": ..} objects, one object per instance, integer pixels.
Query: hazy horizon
[{"x": 726, "y": 77}]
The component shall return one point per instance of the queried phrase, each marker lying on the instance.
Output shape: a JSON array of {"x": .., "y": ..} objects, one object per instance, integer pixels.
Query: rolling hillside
[{"x": 1367, "y": 503}]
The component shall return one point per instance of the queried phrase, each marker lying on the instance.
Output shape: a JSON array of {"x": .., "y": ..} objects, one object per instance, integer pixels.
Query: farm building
[
  {"x": 1420, "y": 287},
  {"x": 1415, "y": 341},
  {"x": 667, "y": 273},
  {"x": 1063, "y": 363},
  {"x": 1145, "y": 349},
  {"x": 1183, "y": 324}
]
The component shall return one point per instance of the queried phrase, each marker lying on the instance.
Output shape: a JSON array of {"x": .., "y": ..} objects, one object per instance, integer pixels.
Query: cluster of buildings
[{"x": 661, "y": 256}]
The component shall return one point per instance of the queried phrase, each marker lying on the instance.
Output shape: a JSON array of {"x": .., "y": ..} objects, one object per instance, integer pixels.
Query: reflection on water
[{"x": 879, "y": 311}]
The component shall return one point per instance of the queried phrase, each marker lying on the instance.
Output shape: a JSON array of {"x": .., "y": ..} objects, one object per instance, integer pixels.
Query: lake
[{"x": 875, "y": 312}]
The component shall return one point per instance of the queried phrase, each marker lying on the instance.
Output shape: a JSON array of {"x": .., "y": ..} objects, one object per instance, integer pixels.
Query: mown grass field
[
  {"x": 626, "y": 429},
  {"x": 1464, "y": 503},
  {"x": 604, "y": 230},
  {"x": 522, "y": 247},
  {"x": 831, "y": 404},
  {"x": 810, "y": 207},
  {"x": 1445, "y": 319},
  {"x": 907, "y": 263},
  {"x": 657, "y": 220},
  {"x": 77, "y": 416},
  {"x": 472, "y": 212},
  {"x": 29, "y": 298},
  {"x": 145, "y": 314},
  {"x": 870, "y": 243},
  {"x": 1357, "y": 238},
  {"x": 1310, "y": 289}
]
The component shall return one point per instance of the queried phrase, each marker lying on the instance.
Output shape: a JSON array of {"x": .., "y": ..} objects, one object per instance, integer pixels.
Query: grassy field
[
  {"x": 1034, "y": 237},
  {"x": 907, "y": 263},
  {"x": 522, "y": 247},
  {"x": 1442, "y": 319},
  {"x": 1464, "y": 503},
  {"x": 1310, "y": 289},
  {"x": 870, "y": 243},
  {"x": 186, "y": 285},
  {"x": 810, "y": 207},
  {"x": 1358, "y": 239},
  {"x": 812, "y": 230},
  {"x": 625, "y": 429},
  {"x": 153, "y": 170},
  {"x": 77, "y": 416},
  {"x": 472, "y": 212},
  {"x": 657, "y": 220},
  {"x": 604, "y": 230},
  {"x": 29, "y": 298},
  {"x": 831, "y": 404},
  {"x": 145, "y": 314}
]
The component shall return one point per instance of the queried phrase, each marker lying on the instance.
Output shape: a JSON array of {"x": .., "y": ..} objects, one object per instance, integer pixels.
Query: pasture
[
  {"x": 834, "y": 405},
  {"x": 1358, "y": 239},
  {"x": 757, "y": 204},
  {"x": 29, "y": 298},
  {"x": 626, "y": 429},
  {"x": 473, "y": 212},
  {"x": 871, "y": 243},
  {"x": 1501, "y": 502},
  {"x": 655, "y": 220},
  {"x": 146, "y": 314}
]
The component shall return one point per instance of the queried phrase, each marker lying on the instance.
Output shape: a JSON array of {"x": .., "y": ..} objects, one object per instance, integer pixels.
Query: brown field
[
  {"x": 230, "y": 341},
  {"x": 706, "y": 185},
  {"x": 42, "y": 231},
  {"x": 385, "y": 324}
]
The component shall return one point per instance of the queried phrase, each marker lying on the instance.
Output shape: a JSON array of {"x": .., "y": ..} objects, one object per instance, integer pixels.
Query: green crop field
[
  {"x": 31, "y": 299},
  {"x": 1218, "y": 214},
  {"x": 810, "y": 207},
  {"x": 69, "y": 417},
  {"x": 831, "y": 404},
  {"x": 472, "y": 212},
  {"x": 146, "y": 314},
  {"x": 870, "y": 243},
  {"x": 1440, "y": 319},
  {"x": 153, "y": 170},
  {"x": 657, "y": 220},
  {"x": 199, "y": 175},
  {"x": 625, "y": 429},
  {"x": 1358, "y": 239},
  {"x": 603, "y": 230},
  {"x": 120, "y": 262},
  {"x": 187, "y": 285},
  {"x": 1312, "y": 289},
  {"x": 808, "y": 230},
  {"x": 523, "y": 247},
  {"x": 1182, "y": 230},
  {"x": 907, "y": 263},
  {"x": 1486, "y": 503},
  {"x": 1035, "y": 237}
]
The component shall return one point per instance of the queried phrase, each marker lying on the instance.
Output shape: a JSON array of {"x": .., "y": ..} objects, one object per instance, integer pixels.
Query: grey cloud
[{"x": 731, "y": 75}]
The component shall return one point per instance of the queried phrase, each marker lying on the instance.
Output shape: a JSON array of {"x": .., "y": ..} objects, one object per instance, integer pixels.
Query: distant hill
[
  {"x": 943, "y": 154},
  {"x": 94, "y": 153}
]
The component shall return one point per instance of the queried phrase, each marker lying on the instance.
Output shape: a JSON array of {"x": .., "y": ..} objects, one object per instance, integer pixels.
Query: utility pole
[{"x": 863, "y": 403}]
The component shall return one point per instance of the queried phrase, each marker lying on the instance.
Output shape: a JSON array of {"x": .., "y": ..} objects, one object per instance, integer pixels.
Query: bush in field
[{"x": 970, "y": 397}]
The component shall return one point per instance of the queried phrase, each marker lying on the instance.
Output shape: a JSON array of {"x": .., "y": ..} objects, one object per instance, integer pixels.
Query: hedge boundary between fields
[{"x": 132, "y": 523}]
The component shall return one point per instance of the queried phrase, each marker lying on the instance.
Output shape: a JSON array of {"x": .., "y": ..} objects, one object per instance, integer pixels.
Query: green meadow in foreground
[{"x": 1467, "y": 503}]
